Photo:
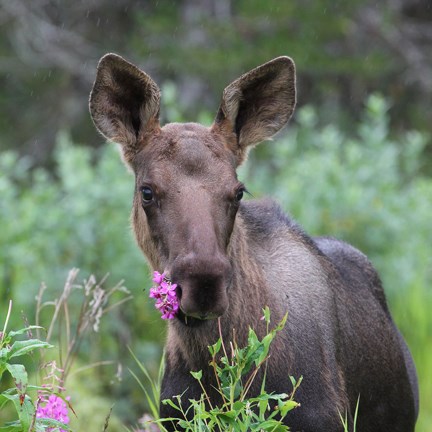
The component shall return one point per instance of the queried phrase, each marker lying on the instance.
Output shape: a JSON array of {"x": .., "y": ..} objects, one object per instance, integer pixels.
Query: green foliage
[
  {"x": 235, "y": 374},
  {"x": 70, "y": 319},
  {"x": 25, "y": 406},
  {"x": 56, "y": 222},
  {"x": 77, "y": 218}
]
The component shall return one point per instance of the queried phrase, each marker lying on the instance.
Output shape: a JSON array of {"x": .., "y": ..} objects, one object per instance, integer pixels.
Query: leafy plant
[
  {"x": 234, "y": 372},
  {"x": 10, "y": 349},
  {"x": 44, "y": 407}
]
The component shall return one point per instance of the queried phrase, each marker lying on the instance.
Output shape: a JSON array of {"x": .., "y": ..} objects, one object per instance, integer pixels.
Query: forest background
[{"x": 355, "y": 161}]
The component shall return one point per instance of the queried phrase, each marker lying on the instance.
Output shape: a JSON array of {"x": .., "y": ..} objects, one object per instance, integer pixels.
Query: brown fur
[{"x": 230, "y": 259}]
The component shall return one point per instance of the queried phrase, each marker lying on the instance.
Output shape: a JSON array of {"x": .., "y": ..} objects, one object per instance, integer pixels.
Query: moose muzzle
[{"x": 203, "y": 284}]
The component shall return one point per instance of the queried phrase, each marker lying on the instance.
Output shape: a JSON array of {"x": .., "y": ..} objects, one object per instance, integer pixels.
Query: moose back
[{"x": 230, "y": 258}]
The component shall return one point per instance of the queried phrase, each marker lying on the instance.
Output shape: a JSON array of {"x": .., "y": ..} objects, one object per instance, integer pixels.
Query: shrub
[{"x": 235, "y": 372}]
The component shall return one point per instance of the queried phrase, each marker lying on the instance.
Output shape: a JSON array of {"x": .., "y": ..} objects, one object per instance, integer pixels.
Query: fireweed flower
[
  {"x": 165, "y": 295},
  {"x": 53, "y": 407}
]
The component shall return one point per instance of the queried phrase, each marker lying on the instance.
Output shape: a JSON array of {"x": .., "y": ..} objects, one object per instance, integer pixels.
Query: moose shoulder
[{"x": 231, "y": 258}]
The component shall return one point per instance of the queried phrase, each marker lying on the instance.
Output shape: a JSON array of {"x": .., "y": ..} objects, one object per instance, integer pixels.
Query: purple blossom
[
  {"x": 154, "y": 293},
  {"x": 165, "y": 294},
  {"x": 158, "y": 278},
  {"x": 53, "y": 408}
]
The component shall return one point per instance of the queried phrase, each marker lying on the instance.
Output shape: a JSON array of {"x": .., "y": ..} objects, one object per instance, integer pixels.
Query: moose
[{"x": 231, "y": 257}]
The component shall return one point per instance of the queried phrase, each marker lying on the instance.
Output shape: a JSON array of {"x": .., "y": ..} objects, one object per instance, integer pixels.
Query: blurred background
[{"x": 355, "y": 161}]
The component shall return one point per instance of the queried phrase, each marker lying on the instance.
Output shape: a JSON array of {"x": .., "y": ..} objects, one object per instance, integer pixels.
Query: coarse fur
[{"x": 230, "y": 258}]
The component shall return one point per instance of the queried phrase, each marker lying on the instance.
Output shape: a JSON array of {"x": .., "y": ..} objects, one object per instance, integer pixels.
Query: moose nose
[{"x": 203, "y": 285}]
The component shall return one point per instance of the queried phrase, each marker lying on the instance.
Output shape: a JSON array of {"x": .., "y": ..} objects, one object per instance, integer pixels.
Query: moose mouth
[{"x": 193, "y": 319}]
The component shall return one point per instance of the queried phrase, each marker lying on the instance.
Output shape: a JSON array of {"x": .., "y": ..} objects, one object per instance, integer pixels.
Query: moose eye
[
  {"x": 239, "y": 194},
  {"x": 147, "y": 194}
]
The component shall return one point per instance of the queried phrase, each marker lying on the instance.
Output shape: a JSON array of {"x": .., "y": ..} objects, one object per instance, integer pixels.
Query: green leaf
[
  {"x": 267, "y": 340},
  {"x": 280, "y": 428},
  {"x": 9, "y": 395},
  {"x": 6, "y": 341},
  {"x": 4, "y": 353},
  {"x": 12, "y": 334},
  {"x": 171, "y": 404},
  {"x": 286, "y": 406},
  {"x": 266, "y": 397},
  {"x": 281, "y": 324},
  {"x": 266, "y": 312},
  {"x": 184, "y": 424},
  {"x": 228, "y": 417},
  {"x": 263, "y": 407},
  {"x": 226, "y": 390},
  {"x": 215, "y": 348},
  {"x": 197, "y": 375},
  {"x": 238, "y": 389},
  {"x": 24, "y": 408},
  {"x": 231, "y": 413},
  {"x": 48, "y": 422},
  {"x": 13, "y": 427},
  {"x": 3, "y": 365},
  {"x": 4, "y": 399},
  {"x": 252, "y": 338},
  {"x": 20, "y": 348},
  {"x": 270, "y": 425},
  {"x": 238, "y": 406},
  {"x": 19, "y": 374}
]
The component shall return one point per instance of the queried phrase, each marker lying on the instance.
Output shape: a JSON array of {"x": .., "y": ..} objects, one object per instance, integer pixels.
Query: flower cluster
[
  {"x": 53, "y": 408},
  {"x": 165, "y": 295}
]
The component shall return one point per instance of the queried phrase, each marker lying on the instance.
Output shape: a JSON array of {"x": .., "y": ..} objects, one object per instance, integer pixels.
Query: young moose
[{"x": 231, "y": 258}]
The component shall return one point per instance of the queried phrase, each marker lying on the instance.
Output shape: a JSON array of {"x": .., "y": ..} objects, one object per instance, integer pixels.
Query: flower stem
[{"x": 3, "y": 335}]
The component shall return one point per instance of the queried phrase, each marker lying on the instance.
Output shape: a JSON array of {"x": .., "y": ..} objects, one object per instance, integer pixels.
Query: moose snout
[{"x": 203, "y": 285}]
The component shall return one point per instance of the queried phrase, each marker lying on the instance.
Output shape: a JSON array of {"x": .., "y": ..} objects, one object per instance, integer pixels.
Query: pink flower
[
  {"x": 158, "y": 278},
  {"x": 154, "y": 293},
  {"x": 53, "y": 408},
  {"x": 165, "y": 294}
]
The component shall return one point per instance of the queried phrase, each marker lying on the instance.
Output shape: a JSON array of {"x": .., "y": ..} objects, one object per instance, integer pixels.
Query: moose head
[{"x": 186, "y": 189}]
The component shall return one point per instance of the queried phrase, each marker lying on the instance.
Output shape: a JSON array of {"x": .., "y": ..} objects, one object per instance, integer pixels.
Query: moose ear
[
  {"x": 124, "y": 104},
  {"x": 258, "y": 104}
]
